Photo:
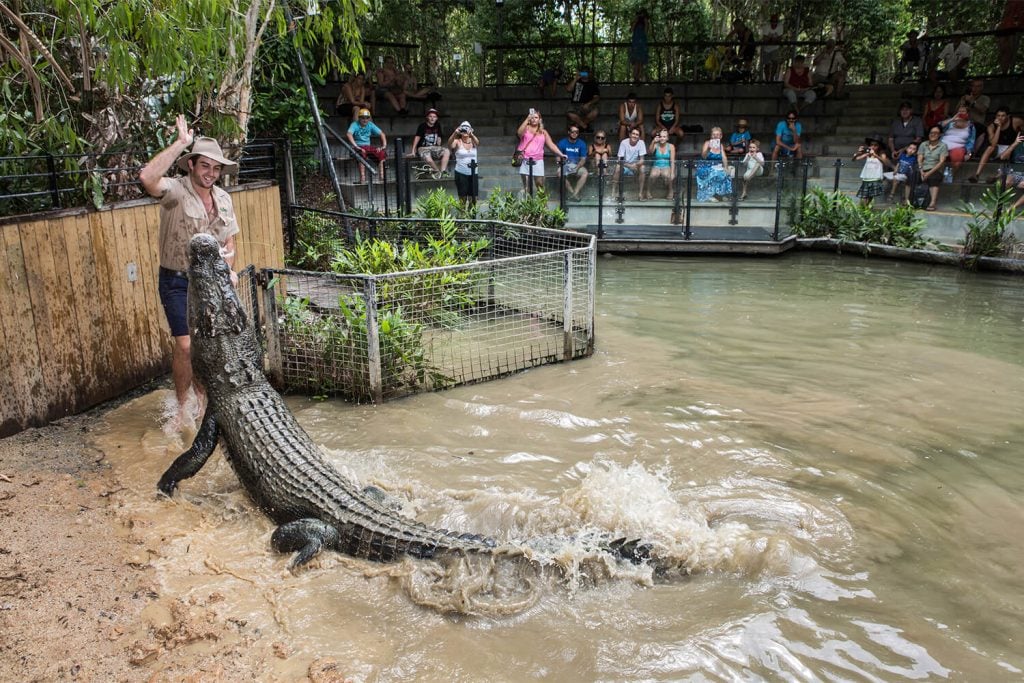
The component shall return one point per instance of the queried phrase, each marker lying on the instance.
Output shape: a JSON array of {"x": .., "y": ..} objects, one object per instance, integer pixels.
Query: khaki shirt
[{"x": 183, "y": 215}]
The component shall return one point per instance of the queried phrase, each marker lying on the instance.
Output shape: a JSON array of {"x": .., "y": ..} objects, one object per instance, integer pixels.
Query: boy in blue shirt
[
  {"x": 575, "y": 151},
  {"x": 905, "y": 172},
  {"x": 359, "y": 134}
]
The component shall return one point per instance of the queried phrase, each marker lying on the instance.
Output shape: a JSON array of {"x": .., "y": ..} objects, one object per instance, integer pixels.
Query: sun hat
[
  {"x": 209, "y": 148},
  {"x": 465, "y": 124}
]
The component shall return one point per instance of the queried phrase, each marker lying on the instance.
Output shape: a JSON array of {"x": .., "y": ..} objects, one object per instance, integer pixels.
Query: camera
[{"x": 463, "y": 129}]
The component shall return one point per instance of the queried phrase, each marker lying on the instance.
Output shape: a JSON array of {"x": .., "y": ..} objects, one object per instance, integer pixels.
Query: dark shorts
[
  {"x": 934, "y": 180},
  {"x": 467, "y": 185},
  {"x": 174, "y": 297}
]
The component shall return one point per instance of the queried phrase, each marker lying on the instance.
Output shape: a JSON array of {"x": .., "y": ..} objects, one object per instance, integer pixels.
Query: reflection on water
[{"x": 827, "y": 446}]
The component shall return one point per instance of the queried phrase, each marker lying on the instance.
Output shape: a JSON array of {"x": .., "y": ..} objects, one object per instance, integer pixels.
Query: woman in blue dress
[
  {"x": 713, "y": 180},
  {"x": 638, "y": 56}
]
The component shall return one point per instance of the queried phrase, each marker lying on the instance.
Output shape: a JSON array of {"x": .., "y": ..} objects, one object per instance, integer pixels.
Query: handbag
[{"x": 517, "y": 157}]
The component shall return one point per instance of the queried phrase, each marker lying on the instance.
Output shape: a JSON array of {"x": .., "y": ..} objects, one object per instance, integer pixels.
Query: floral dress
[{"x": 711, "y": 178}]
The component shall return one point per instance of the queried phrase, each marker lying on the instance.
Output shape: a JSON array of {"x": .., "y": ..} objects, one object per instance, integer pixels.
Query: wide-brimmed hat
[
  {"x": 209, "y": 148},
  {"x": 873, "y": 138}
]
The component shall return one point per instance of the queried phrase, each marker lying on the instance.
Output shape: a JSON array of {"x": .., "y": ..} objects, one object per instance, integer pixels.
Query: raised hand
[{"x": 185, "y": 134}]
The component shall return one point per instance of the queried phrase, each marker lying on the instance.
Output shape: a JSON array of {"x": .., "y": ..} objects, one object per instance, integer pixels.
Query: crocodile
[{"x": 280, "y": 467}]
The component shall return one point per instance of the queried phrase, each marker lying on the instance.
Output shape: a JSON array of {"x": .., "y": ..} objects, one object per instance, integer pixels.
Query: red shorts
[{"x": 375, "y": 153}]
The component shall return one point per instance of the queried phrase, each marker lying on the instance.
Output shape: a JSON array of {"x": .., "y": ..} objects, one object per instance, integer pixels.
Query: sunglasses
[{"x": 599, "y": 137}]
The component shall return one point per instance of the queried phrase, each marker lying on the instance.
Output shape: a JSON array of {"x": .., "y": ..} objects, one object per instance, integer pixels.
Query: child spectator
[
  {"x": 428, "y": 145},
  {"x": 752, "y": 164},
  {"x": 905, "y": 172},
  {"x": 739, "y": 139},
  {"x": 360, "y": 134},
  {"x": 875, "y": 161}
]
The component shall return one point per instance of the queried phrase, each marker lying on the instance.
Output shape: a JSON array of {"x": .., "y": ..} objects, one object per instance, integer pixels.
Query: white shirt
[
  {"x": 768, "y": 32},
  {"x": 951, "y": 56},
  {"x": 630, "y": 153},
  {"x": 827, "y": 63}
]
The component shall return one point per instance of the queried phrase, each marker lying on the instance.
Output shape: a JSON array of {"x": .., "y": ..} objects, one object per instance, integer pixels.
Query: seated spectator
[
  {"x": 668, "y": 116},
  {"x": 360, "y": 134},
  {"x": 911, "y": 59},
  {"x": 955, "y": 58},
  {"x": 548, "y": 82},
  {"x": 772, "y": 34},
  {"x": 830, "y": 69},
  {"x": 931, "y": 162},
  {"x": 977, "y": 104},
  {"x": 1014, "y": 154},
  {"x": 413, "y": 90},
  {"x": 958, "y": 136},
  {"x": 905, "y": 129},
  {"x": 389, "y": 85},
  {"x": 796, "y": 84},
  {"x": 631, "y": 155},
  {"x": 739, "y": 140},
  {"x": 1001, "y": 134},
  {"x": 428, "y": 145},
  {"x": 905, "y": 172},
  {"x": 600, "y": 151},
  {"x": 575, "y": 165},
  {"x": 936, "y": 109},
  {"x": 713, "y": 176},
  {"x": 787, "y": 138},
  {"x": 663, "y": 163},
  {"x": 355, "y": 95},
  {"x": 631, "y": 114},
  {"x": 752, "y": 165},
  {"x": 586, "y": 95}
]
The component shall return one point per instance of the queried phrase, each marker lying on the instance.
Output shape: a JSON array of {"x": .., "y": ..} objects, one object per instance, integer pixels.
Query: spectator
[
  {"x": 955, "y": 58},
  {"x": 772, "y": 34},
  {"x": 464, "y": 145},
  {"x": 911, "y": 57},
  {"x": 977, "y": 104},
  {"x": 904, "y": 130},
  {"x": 931, "y": 160},
  {"x": 797, "y": 84},
  {"x": 713, "y": 179},
  {"x": 875, "y": 161},
  {"x": 355, "y": 95},
  {"x": 830, "y": 69},
  {"x": 548, "y": 82},
  {"x": 428, "y": 145},
  {"x": 631, "y": 115},
  {"x": 389, "y": 85},
  {"x": 752, "y": 164},
  {"x": 958, "y": 136},
  {"x": 585, "y": 97},
  {"x": 360, "y": 135},
  {"x": 632, "y": 151},
  {"x": 533, "y": 138},
  {"x": 668, "y": 116},
  {"x": 936, "y": 109},
  {"x": 1008, "y": 34},
  {"x": 663, "y": 164},
  {"x": 1014, "y": 154},
  {"x": 739, "y": 140},
  {"x": 413, "y": 90},
  {"x": 638, "y": 56},
  {"x": 905, "y": 172},
  {"x": 600, "y": 151},
  {"x": 787, "y": 138},
  {"x": 1001, "y": 134},
  {"x": 575, "y": 151}
]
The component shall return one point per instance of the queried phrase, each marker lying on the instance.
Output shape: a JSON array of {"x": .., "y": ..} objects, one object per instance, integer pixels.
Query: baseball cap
[
  {"x": 433, "y": 111},
  {"x": 364, "y": 112}
]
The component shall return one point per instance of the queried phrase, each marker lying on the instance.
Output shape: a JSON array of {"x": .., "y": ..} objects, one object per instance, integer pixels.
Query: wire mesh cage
[{"x": 526, "y": 300}]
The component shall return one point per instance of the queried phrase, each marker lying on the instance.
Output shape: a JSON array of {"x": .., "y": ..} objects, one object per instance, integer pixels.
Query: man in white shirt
[
  {"x": 829, "y": 69},
  {"x": 771, "y": 52},
  {"x": 954, "y": 58},
  {"x": 632, "y": 151}
]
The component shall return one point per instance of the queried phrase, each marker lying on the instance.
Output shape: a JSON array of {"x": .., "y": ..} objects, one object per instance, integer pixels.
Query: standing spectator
[
  {"x": 355, "y": 95},
  {"x": 600, "y": 151},
  {"x": 575, "y": 151},
  {"x": 428, "y": 145},
  {"x": 977, "y": 104},
  {"x": 746, "y": 48},
  {"x": 958, "y": 136},
  {"x": 585, "y": 97},
  {"x": 830, "y": 69},
  {"x": 533, "y": 138},
  {"x": 632, "y": 151},
  {"x": 189, "y": 205},
  {"x": 1008, "y": 34},
  {"x": 360, "y": 135},
  {"x": 389, "y": 85},
  {"x": 931, "y": 160},
  {"x": 631, "y": 115},
  {"x": 739, "y": 140},
  {"x": 752, "y": 164},
  {"x": 1001, "y": 134},
  {"x": 797, "y": 84},
  {"x": 464, "y": 144},
  {"x": 936, "y": 109},
  {"x": 905, "y": 172},
  {"x": 669, "y": 116},
  {"x": 911, "y": 57},
  {"x": 955, "y": 58},
  {"x": 638, "y": 56},
  {"x": 772, "y": 34},
  {"x": 663, "y": 164},
  {"x": 787, "y": 138},
  {"x": 905, "y": 129},
  {"x": 875, "y": 161},
  {"x": 713, "y": 179}
]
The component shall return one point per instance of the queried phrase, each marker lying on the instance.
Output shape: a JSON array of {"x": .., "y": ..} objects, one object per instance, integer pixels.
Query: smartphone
[
  {"x": 716, "y": 144},
  {"x": 532, "y": 112}
]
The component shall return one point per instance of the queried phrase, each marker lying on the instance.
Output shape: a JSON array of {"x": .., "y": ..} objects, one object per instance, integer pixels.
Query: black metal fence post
[
  {"x": 620, "y": 199},
  {"x": 839, "y": 168},
  {"x": 602, "y": 166},
  {"x": 687, "y": 230},
  {"x": 778, "y": 199},
  {"x": 51, "y": 168},
  {"x": 401, "y": 175}
]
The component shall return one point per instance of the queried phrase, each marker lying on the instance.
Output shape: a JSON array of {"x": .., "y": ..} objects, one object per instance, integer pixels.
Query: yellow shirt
[{"x": 182, "y": 215}]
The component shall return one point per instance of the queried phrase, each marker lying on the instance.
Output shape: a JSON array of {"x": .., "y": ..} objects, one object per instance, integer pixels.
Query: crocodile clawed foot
[
  {"x": 631, "y": 550},
  {"x": 306, "y": 536},
  {"x": 167, "y": 485}
]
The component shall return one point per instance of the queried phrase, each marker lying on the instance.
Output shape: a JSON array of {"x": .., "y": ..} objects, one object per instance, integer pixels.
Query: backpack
[{"x": 920, "y": 197}]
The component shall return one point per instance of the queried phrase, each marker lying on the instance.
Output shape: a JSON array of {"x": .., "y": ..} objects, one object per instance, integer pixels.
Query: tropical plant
[
  {"x": 509, "y": 207},
  {"x": 986, "y": 234},
  {"x": 834, "y": 214}
]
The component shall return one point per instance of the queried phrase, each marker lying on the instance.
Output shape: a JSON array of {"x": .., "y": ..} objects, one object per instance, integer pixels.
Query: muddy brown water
[{"x": 829, "y": 448}]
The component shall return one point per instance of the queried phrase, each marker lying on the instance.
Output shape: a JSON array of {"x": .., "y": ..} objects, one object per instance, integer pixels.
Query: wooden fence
[{"x": 80, "y": 316}]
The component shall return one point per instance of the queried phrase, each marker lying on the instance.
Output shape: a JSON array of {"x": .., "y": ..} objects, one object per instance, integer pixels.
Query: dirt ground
[{"x": 79, "y": 600}]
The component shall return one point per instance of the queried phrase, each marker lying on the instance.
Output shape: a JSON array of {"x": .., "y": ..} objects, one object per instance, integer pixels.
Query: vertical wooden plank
[
  {"x": 151, "y": 278},
  {"x": 137, "y": 238},
  {"x": 133, "y": 319},
  {"x": 108, "y": 268}
]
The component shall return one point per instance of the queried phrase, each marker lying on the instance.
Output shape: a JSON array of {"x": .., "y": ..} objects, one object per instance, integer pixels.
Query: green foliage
[
  {"x": 834, "y": 214},
  {"x": 986, "y": 233},
  {"x": 509, "y": 207},
  {"x": 317, "y": 239}
]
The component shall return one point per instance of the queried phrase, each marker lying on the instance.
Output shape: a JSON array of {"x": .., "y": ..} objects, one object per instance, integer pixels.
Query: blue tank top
[{"x": 661, "y": 158}]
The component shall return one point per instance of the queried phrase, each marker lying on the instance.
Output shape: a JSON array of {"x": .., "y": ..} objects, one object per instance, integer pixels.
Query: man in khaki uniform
[{"x": 189, "y": 204}]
